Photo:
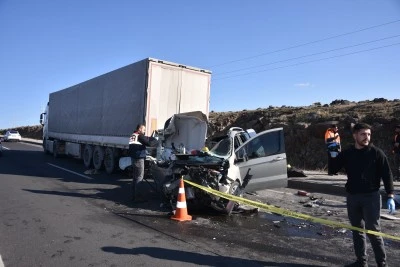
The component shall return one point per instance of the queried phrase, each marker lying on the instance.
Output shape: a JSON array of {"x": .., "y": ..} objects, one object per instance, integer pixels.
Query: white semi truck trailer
[{"x": 93, "y": 120}]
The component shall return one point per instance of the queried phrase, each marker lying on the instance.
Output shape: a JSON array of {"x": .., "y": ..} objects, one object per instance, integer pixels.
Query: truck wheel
[
  {"x": 98, "y": 157},
  {"x": 44, "y": 147},
  {"x": 109, "y": 160},
  {"x": 88, "y": 156},
  {"x": 55, "y": 149}
]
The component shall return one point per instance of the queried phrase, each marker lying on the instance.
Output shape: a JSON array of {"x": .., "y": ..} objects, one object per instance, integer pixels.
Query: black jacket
[
  {"x": 138, "y": 143},
  {"x": 365, "y": 168}
]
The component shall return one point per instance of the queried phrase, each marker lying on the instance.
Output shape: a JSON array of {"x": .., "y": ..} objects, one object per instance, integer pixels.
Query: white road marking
[
  {"x": 32, "y": 144},
  {"x": 29, "y": 144},
  {"x": 1, "y": 262},
  {"x": 81, "y": 175}
]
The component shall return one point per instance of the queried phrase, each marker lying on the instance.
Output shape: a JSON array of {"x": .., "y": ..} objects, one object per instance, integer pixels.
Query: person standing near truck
[
  {"x": 365, "y": 165},
  {"x": 396, "y": 152},
  {"x": 137, "y": 151},
  {"x": 332, "y": 142}
]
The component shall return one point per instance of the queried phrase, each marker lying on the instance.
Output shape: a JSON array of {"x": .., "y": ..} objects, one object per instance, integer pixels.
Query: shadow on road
[
  {"x": 99, "y": 186},
  {"x": 195, "y": 258},
  {"x": 118, "y": 195}
]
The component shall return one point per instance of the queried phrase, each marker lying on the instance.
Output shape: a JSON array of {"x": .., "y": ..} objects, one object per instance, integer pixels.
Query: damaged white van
[{"x": 241, "y": 160}]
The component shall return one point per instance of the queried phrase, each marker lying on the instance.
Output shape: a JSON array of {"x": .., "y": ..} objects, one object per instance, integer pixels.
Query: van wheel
[
  {"x": 88, "y": 156},
  {"x": 109, "y": 160},
  {"x": 234, "y": 189},
  {"x": 98, "y": 157}
]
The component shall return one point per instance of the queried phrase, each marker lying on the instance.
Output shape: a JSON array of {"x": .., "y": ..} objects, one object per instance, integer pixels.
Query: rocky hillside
[{"x": 304, "y": 127}]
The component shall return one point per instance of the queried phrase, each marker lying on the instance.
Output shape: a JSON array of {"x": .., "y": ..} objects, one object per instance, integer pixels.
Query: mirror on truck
[{"x": 41, "y": 118}]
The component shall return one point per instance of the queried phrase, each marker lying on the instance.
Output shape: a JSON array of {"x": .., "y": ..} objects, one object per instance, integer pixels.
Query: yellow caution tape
[{"x": 289, "y": 213}]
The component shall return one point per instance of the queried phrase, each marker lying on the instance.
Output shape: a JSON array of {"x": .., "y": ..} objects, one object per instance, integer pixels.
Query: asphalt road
[{"x": 53, "y": 214}]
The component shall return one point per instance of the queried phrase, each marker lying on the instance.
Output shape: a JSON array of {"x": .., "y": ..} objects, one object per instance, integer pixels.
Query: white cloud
[{"x": 307, "y": 84}]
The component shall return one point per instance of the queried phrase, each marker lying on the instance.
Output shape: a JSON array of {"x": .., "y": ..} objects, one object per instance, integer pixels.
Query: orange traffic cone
[{"x": 181, "y": 213}]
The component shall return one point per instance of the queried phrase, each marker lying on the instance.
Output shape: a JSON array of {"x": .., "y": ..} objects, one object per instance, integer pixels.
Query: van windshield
[{"x": 223, "y": 148}]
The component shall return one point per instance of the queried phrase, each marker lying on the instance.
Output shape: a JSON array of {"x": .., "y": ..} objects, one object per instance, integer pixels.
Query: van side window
[
  {"x": 255, "y": 148},
  {"x": 272, "y": 143},
  {"x": 266, "y": 145}
]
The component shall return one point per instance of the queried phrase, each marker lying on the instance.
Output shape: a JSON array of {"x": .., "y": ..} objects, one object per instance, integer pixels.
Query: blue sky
[{"x": 261, "y": 52}]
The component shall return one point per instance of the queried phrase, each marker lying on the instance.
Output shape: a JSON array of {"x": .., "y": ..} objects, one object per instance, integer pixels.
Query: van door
[{"x": 264, "y": 158}]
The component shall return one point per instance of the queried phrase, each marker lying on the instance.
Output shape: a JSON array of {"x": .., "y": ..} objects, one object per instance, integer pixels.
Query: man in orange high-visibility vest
[{"x": 332, "y": 142}]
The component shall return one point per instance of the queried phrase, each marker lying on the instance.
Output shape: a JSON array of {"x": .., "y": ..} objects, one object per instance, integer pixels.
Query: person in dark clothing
[
  {"x": 332, "y": 142},
  {"x": 365, "y": 165},
  {"x": 137, "y": 150},
  {"x": 396, "y": 153}
]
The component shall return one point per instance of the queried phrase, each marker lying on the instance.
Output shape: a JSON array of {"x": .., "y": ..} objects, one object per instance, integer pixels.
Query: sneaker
[{"x": 357, "y": 264}]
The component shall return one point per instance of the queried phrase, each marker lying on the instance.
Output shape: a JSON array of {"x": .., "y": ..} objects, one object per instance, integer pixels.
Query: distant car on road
[{"x": 12, "y": 135}]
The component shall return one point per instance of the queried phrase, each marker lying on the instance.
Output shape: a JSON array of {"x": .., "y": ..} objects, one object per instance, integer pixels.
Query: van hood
[{"x": 188, "y": 129}]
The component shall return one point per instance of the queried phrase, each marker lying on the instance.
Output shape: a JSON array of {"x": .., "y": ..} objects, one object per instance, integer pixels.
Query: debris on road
[
  {"x": 315, "y": 202},
  {"x": 303, "y": 193},
  {"x": 311, "y": 204},
  {"x": 389, "y": 217}
]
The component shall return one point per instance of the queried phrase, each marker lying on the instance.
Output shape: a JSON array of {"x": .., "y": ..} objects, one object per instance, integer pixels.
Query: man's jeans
[
  {"x": 364, "y": 211},
  {"x": 330, "y": 160},
  {"x": 137, "y": 178}
]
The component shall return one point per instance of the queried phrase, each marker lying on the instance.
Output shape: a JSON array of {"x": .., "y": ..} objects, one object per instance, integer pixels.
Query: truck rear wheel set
[
  {"x": 99, "y": 156},
  {"x": 110, "y": 156},
  {"x": 55, "y": 149},
  {"x": 88, "y": 156}
]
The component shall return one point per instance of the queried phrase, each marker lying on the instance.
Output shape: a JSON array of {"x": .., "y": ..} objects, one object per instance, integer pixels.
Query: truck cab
[{"x": 43, "y": 122}]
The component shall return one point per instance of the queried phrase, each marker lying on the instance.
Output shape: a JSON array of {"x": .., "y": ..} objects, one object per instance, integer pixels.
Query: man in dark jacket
[
  {"x": 137, "y": 150},
  {"x": 365, "y": 165}
]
